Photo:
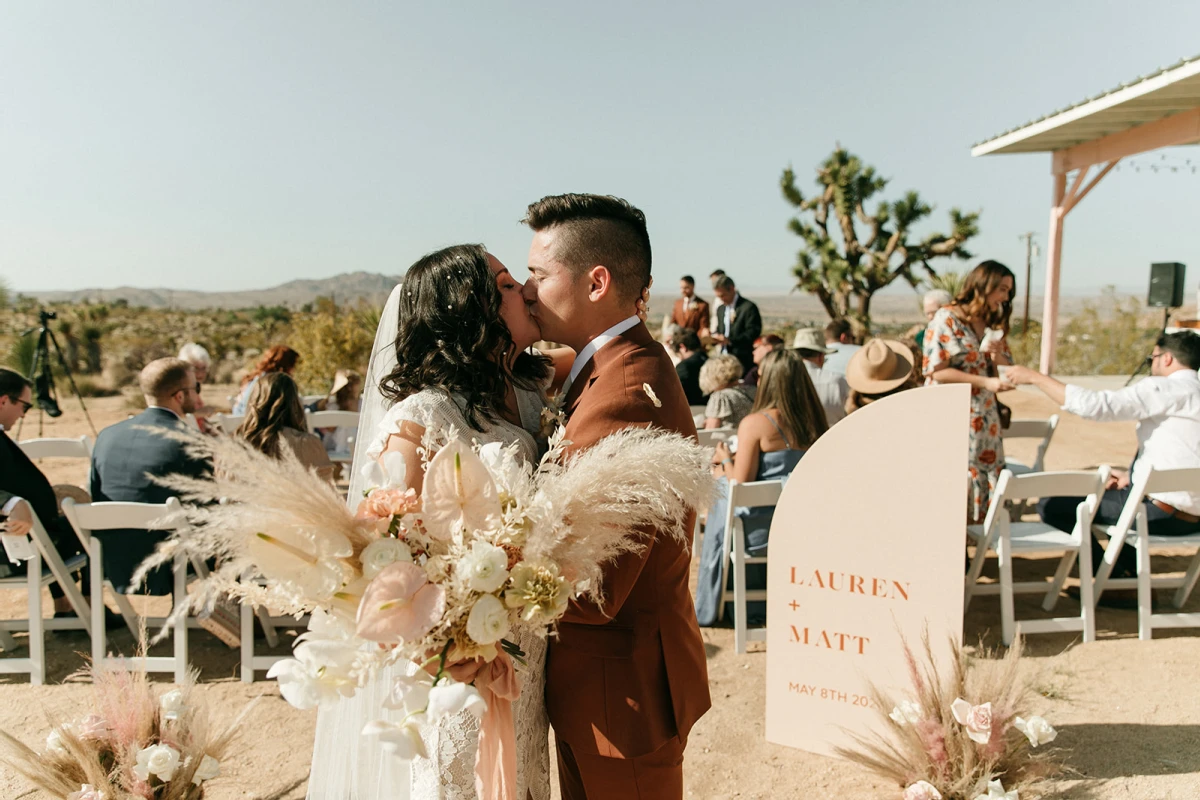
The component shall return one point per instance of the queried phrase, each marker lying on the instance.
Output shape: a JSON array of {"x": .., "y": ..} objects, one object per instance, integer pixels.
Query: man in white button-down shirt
[{"x": 1166, "y": 407}]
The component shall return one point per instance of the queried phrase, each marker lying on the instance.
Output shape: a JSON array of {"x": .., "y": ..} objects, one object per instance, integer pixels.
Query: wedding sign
[{"x": 865, "y": 550}]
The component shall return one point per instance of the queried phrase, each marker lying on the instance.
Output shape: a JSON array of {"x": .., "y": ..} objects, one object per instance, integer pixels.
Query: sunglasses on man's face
[{"x": 25, "y": 405}]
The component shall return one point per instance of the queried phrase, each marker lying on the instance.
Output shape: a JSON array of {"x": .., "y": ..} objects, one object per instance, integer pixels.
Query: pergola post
[{"x": 1053, "y": 265}]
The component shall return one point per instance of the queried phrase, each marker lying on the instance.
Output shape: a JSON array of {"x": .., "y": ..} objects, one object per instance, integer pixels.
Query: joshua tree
[{"x": 845, "y": 267}]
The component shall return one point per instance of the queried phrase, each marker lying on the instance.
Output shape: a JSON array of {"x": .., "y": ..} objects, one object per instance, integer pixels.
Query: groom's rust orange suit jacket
[{"x": 624, "y": 678}]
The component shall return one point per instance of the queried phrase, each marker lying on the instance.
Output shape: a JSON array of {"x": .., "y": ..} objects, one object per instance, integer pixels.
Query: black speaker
[{"x": 1166, "y": 285}]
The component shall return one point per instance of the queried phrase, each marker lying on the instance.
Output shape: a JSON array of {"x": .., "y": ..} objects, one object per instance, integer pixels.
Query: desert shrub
[
  {"x": 330, "y": 339},
  {"x": 20, "y": 353},
  {"x": 1110, "y": 336},
  {"x": 91, "y": 388}
]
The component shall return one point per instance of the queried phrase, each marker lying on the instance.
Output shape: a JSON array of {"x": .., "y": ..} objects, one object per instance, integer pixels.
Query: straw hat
[
  {"x": 341, "y": 379},
  {"x": 811, "y": 340},
  {"x": 880, "y": 366}
]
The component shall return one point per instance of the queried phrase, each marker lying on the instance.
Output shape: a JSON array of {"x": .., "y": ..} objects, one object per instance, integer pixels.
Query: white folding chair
[
  {"x": 43, "y": 569},
  {"x": 251, "y": 662},
  {"x": 334, "y": 419},
  {"x": 1133, "y": 520},
  {"x": 1042, "y": 429},
  {"x": 699, "y": 414},
  {"x": 1007, "y": 539},
  {"x": 710, "y": 437},
  {"x": 89, "y": 517},
  {"x": 754, "y": 494},
  {"x": 228, "y": 423},
  {"x": 57, "y": 448}
]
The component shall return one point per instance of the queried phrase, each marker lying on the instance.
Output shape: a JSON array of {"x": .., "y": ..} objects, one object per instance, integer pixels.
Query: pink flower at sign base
[
  {"x": 400, "y": 604},
  {"x": 922, "y": 790},
  {"x": 976, "y": 719}
]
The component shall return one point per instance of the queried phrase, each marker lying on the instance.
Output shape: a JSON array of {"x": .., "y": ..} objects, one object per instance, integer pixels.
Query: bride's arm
[{"x": 406, "y": 442}]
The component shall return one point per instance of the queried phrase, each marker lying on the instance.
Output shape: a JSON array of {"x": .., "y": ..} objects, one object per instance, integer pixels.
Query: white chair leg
[
  {"x": 1189, "y": 583},
  {"x": 1144, "y": 590},
  {"x": 1060, "y": 578},
  {"x": 99, "y": 632},
  {"x": 133, "y": 620},
  {"x": 264, "y": 619},
  {"x": 7, "y": 642},
  {"x": 1087, "y": 601},
  {"x": 247, "y": 646},
  {"x": 1007, "y": 613},
  {"x": 739, "y": 589},
  {"x": 976, "y": 569},
  {"x": 180, "y": 631},
  {"x": 37, "y": 634}
]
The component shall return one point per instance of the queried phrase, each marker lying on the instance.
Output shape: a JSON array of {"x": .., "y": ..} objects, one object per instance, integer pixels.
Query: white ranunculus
[
  {"x": 922, "y": 790},
  {"x": 488, "y": 621},
  {"x": 1036, "y": 729},
  {"x": 320, "y": 671},
  {"x": 54, "y": 742},
  {"x": 382, "y": 552},
  {"x": 171, "y": 704},
  {"x": 450, "y": 697},
  {"x": 907, "y": 713},
  {"x": 158, "y": 760},
  {"x": 996, "y": 792},
  {"x": 209, "y": 768},
  {"x": 401, "y": 739},
  {"x": 409, "y": 693},
  {"x": 485, "y": 568}
]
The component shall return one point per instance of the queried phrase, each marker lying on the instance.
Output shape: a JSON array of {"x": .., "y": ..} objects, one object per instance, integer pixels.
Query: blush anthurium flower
[
  {"x": 308, "y": 559},
  {"x": 320, "y": 671},
  {"x": 459, "y": 493},
  {"x": 400, "y": 605},
  {"x": 1036, "y": 729},
  {"x": 976, "y": 719},
  {"x": 922, "y": 790}
]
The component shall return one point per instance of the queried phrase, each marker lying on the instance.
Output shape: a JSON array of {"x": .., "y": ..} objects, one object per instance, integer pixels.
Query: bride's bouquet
[{"x": 490, "y": 545}]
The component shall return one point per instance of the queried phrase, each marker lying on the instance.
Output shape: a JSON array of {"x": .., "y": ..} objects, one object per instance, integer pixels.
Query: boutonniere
[
  {"x": 553, "y": 417},
  {"x": 650, "y": 393}
]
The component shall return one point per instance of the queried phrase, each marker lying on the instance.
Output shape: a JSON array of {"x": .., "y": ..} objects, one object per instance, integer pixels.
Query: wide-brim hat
[
  {"x": 880, "y": 366},
  {"x": 341, "y": 379},
  {"x": 812, "y": 340}
]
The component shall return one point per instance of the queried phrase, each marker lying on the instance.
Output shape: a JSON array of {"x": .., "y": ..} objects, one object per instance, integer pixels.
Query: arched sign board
[{"x": 866, "y": 547}]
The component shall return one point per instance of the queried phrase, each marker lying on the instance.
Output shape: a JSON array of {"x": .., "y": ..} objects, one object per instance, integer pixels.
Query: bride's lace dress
[{"x": 348, "y": 767}]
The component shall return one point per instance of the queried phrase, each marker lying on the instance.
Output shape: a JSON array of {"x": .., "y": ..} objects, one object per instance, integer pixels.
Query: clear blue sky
[{"x": 230, "y": 145}]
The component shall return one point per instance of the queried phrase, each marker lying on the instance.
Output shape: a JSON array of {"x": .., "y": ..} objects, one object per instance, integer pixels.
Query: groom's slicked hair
[{"x": 597, "y": 229}]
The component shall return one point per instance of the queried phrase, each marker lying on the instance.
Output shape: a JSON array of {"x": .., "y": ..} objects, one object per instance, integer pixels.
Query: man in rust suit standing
[{"x": 626, "y": 680}]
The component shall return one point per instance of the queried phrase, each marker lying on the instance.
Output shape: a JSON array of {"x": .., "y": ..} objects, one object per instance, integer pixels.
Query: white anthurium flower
[
  {"x": 485, "y": 568},
  {"x": 209, "y": 768},
  {"x": 996, "y": 792},
  {"x": 382, "y": 552},
  {"x": 410, "y": 693},
  {"x": 320, "y": 671},
  {"x": 389, "y": 472},
  {"x": 158, "y": 760},
  {"x": 54, "y": 743},
  {"x": 401, "y": 739},
  {"x": 171, "y": 705},
  {"x": 1036, "y": 729},
  {"x": 907, "y": 713},
  {"x": 450, "y": 697},
  {"x": 459, "y": 493},
  {"x": 488, "y": 621},
  {"x": 306, "y": 558},
  {"x": 976, "y": 719},
  {"x": 922, "y": 790}
]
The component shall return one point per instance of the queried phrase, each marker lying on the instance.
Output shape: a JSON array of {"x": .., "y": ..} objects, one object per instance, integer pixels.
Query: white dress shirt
[
  {"x": 589, "y": 350},
  {"x": 832, "y": 389},
  {"x": 1167, "y": 411},
  {"x": 839, "y": 360}
]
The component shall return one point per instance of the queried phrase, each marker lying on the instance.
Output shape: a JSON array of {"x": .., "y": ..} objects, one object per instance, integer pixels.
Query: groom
[{"x": 626, "y": 680}]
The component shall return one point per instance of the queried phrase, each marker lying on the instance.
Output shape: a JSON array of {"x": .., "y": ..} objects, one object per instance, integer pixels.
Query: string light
[{"x": 1159, "y": 162}]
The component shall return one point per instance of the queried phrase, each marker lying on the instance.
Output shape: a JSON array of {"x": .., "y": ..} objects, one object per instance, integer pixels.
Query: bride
[{"x": 450, "y": 352}]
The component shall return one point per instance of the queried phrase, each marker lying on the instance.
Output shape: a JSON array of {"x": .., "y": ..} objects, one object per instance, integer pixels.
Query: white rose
[
  {"x": 922, "y": 790},
  {"x": 54, "y": 743},
  {"x": 485, "y": 568},
  {"x": 488, "y": 621},
  {"x": 1036, "y": 729},
  {"x": 996, "y": 792},
  {"x": 450, "y": 697},
  {"x": 976, "y": 719},
  {"x": 171, "y": 704},
  {"x": 159, "y": 760},
  {"x": 382, "y": 552},
  {"x": 209, "y": 768},
  {"x": 907, "y": 713},
  {"x": 402, "y": 739}
]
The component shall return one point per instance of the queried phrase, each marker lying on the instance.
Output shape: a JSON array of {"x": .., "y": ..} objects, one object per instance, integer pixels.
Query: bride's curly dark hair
[{"x": 451, "y": 336}]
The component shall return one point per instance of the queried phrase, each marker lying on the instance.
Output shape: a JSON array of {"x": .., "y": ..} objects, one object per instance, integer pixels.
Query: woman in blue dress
[{"x": 786, "y": 419}]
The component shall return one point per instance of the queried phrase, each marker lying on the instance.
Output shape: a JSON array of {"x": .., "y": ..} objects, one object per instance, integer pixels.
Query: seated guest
[
  {"x": 672, "y": 335},
  {"x": 831, "y": 386},
  {"x": 344, "y": 396},
  {"x": 274, "y": 414},
  {"x": 279, "y": 358},
  {"x": 23, "y": 487},
  {"x": 881, "y": 368},
  {"x": 728, "y": 403},
  {"x": 692, "y": 358},
  {"x": 1166, "y": 406},
  {"x": 767, "y": 343},
  {"x": 839, "y": 340},
  {"x": 128, "y": 454},
  {"x": 198, "y": 357},
  {"x": 787, "y": 419}
]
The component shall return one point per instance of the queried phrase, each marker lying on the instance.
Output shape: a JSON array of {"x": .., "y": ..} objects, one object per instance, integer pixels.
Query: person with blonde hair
[
  {"x": 275, "y": 418},
  {"x": 728, "y": 403},
  {"x": 963, "y": 344},
  {"x": 786, "y": 419}
]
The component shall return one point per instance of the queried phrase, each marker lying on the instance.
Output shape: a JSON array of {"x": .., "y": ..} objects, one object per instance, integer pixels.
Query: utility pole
[{"x": 1030, "y": 250}]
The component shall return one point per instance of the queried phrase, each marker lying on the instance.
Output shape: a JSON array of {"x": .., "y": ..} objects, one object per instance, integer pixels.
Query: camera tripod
[
  {"x": 1145, "y": 365},
  {"x": 43, "y": 376}
]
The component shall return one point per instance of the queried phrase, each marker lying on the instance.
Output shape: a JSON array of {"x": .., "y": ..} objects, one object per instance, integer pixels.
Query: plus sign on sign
[{"x": 866, "y": 550}]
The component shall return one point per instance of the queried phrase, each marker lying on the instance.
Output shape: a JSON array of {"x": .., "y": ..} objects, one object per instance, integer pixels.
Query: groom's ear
[{"x": 600, "y": 283}]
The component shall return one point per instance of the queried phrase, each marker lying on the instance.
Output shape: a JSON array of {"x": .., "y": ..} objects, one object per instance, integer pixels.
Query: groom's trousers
[{"x": 655, "y": 776}]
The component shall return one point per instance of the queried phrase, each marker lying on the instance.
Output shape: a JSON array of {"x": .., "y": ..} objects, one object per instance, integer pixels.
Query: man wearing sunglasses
[{"x": 24, "y": 490}]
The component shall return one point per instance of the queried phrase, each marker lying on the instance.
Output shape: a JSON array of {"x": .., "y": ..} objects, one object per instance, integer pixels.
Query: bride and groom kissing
[{"x": 621, "y": 682}]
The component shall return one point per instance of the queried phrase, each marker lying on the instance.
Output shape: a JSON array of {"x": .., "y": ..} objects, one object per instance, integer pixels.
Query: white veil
[{"x": 346, "y": 765}]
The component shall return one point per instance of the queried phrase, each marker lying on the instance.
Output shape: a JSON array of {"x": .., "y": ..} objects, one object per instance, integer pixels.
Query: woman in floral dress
[{"x": 958, "y": 350}]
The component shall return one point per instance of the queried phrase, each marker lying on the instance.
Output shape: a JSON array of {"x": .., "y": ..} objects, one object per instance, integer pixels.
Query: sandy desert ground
[{"x": 1126, "y": 710}]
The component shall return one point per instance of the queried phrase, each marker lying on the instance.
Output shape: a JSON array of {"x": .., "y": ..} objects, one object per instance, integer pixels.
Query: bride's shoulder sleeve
[{"x": 426, "y": 409}]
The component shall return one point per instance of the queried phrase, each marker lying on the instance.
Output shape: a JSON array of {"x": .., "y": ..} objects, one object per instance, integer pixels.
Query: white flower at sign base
[
  {"x": 996, "y": 792},
  {"x": 450, "y": 697},
  {"x": 382, "y": 552},
  {"x": 922, "y": 790},
  {"x": 976, "y": 719},
  {"x": 907, "y": 713},
  {"x": 1036, "y": 730},
  {"x": 209, "y": 768},
  {"x": 488, "y": 621},
  {"x": 159, "y": 760},
  {"x": 87, "y": 792},
  {"x": 402, "y": 739},
  {"x": 320, "y": 671},
  {"x": 171, "y": 705},
  {"x": 54, "y": 743},
  {"x": 485, "y": 568}
]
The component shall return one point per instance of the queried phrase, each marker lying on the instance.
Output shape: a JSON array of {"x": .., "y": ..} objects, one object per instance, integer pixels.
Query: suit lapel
[{"x": 581, "y": 382}]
